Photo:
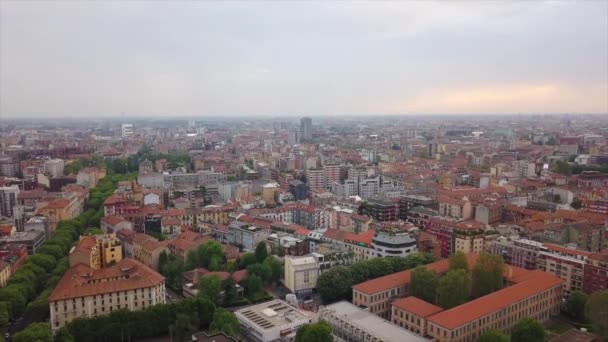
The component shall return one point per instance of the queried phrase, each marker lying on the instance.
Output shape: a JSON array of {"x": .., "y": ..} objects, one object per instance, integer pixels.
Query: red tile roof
[
  {"x": 81, "y": 281},
  {"x": 417, "y": 306},
  {"x": 536, "y": 282},
  {"x": 402, "y": 278}
]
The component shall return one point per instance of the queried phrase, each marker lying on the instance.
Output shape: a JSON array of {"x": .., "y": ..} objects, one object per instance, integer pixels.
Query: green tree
[
  {"x": 596, "y": 310},
  {"x": 562, "y": 168},
  {"x": 43, "y": 260},
  {"x": 205, "y": 309},
  {"x": 4, "y": 315},
  {"x": 576, "y": 203},
  {"x": 261, "y": 252},
  {"x": 52, "y": 250},
  {"x": 316, "y": 332},
  {"x": 458, "y": 260},
  {"x": 226, "y": 322},
  {"x": 208, "y": 251},
  {"x": 183, "y": 328},
  {"x": 528, "y": 330},
  {"x": 423, "y": 284},
  {"x": 246, "y": 260},
  {"x": 453, "y": 289},
  {"x": 275, "y": 268},
  {"x": 209, "y": 288},
  {"x": 15, "y": 297},
  {"x": 35, "y": 332},
  {"x": 253, "y": 284},
  {"x": 487, "y": 275},
  {"x": 493, "y": 335},
  {"x": 229, "y": 287},
  {"x": 335, "y": 284},
  {"x": 262, "y": 271},
  {"x": 576, "y": 305}
]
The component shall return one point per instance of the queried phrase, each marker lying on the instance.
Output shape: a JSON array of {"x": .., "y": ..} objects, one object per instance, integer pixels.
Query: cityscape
[{"x": 477, "y": 215}]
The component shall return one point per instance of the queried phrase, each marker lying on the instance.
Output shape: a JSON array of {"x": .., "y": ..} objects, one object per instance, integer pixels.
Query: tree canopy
[
  {"x": 226, "y": 322},
  {"x": 528, "y": 330},
  {"x": 261, "y": 252},
  {"x": 209, "y": 288},
  {"x": 576, "y": 305},
  {"x": 458, "y": 260},
  {"x": 487, "y": 275},
  {"x": 493, "y": 335},
  {"x": 596, "y": 310},
  {"x": 423, "y": 284},
  {"x": 453, "y": 289},
  {"x": 316, "y": 332}
]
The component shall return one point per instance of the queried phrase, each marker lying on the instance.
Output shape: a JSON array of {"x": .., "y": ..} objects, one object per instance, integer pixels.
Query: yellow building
[
  {"x": 301, "y": 273},
  {"x": 5, "y": 272},
  {"x": 88, "y": 292},
  {"x": 97, "y": 251}
]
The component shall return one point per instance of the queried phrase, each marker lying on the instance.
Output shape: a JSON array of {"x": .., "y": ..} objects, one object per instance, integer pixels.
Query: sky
[{"x": 194, "y": 58}]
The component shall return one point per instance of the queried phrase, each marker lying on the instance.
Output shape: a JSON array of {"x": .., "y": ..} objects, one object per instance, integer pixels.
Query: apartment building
[
  {"x": 567, "y": 264},
  {"x": 97, "y": 251},
  {"x": 245, "y": 235},
  {"x": 521, "y": 253},
  {"x": 377, "y": 294},
  {"x": 468, "y": 237},
  {"x": 595, "y": 276},
  {"x": 301, "y": 273},
  {"x": 315, "y": 178},
  {"x": 459, "y": 209},
  {"x": 147, "y": 250},
  {"x": 87, "y": 292},
  {"x": 381, "y": 209},
  {"x": 8, "y": 200},
  {"x": 331, "y": 174},
  {"x": 54, "y": 167}
]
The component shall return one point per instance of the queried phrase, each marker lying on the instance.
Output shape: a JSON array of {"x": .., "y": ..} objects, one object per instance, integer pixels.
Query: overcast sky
[{"x": 189, "y": 58}]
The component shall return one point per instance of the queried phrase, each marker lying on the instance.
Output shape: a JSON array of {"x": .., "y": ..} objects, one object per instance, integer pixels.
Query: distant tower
[
  {"x": 126, "y": 130},
  {"x": 305, "y": 129}
]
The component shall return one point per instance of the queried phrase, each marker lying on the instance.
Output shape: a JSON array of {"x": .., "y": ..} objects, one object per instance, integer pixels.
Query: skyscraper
[{"x": 305, "y": 129}]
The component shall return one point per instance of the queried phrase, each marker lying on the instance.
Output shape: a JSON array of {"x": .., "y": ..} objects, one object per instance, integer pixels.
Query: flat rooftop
[
  {"x": 269, "y": 315},
  {"x": 380, "y": 328}
]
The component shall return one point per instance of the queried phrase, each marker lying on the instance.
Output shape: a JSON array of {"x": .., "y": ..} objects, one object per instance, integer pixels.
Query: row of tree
[
  {"x": 336, "y": 283},
  {"x": 180, "y": 319},
  {"x": 460, "y": 284},
  {"x": 27, "y": 291}
]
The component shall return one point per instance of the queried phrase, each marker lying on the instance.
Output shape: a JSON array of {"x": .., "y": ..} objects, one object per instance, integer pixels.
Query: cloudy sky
[{"x": 188, "y": 58}]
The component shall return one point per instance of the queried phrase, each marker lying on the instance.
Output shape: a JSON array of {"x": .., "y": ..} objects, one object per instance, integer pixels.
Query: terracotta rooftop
[
  {"x": 536, "y": 282},
  {"x": 417, "y": 306},
  {"x": 402, "y": 278},
  {"x": 112, "y": 219},
  {"x": 114, "y": 199},
  {"x": 81, "y": 281}
]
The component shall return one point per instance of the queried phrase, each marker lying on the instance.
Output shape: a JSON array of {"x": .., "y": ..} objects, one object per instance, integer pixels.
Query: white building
[
  {"x": 126, "y": 130},
  {"x": 54, "y": 167},
  {"x": 271, "y": 321},
  {"x": 351, "y": 323},
  {"x": 301, "y": 273},
  {"x": 389, "y": 243}
]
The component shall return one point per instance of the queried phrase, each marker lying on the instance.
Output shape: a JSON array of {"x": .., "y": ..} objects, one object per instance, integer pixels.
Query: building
[
  {"x": 376, "y": 295},
  {"x": 533, "y": 294},
  {"x": 40, "y": 224},
  {"x": 31, "y": 240},
  {"x": 305, "y": 129},
  {"x": 567, "y": 264},
  {"x": 408, "y": 202},
  {"x": 459, "y": 209},
  {"x": 147, "y": 250},
  {"x": 315, "y": 178},
  {"x": 14, "y": 254},
  {"x": 5, "y": 272},
  {"x": 271, "y": 321},
  {"x": 411, "y": 313},
  {"x": 380, "y": 209},
  {"x": 592, "y": 179},
  {"x": 521, "y": 253},
  {"x": 126, "y": 130},
  {"x": 54, "y": 167},
  {"x": 87, "y": 292},
  {"x": 8, "y": 200},
  {"x": 331, "y": 175},
  {"x": 468, "y": 237},
  {"x": 351, "y": 323},
  {"x": 394, "y": 243},
  {"x": 298, "y": 189},
  {"x": 301, "y": 273},
  {"x": 97, "y": 251},
  {"x": 596, "y": 273},
  {"x": 244, "y": 235}
]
